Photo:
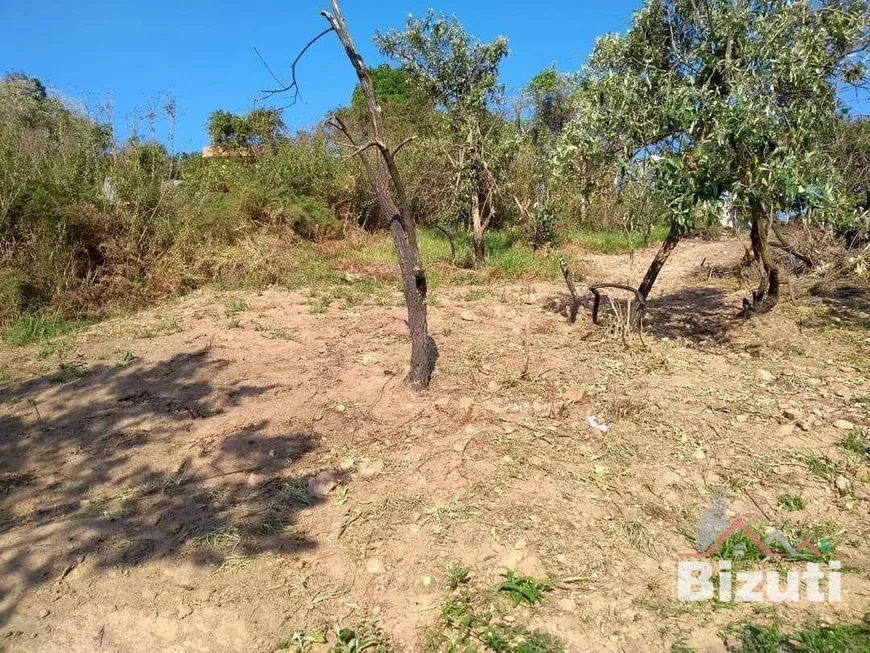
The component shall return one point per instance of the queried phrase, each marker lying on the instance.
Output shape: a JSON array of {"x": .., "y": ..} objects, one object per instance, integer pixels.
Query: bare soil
[{"x": 154, "y": 478}]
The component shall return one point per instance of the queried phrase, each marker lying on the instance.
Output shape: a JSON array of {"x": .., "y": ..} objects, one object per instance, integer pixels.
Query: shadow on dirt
[
  {"x": 697, "y": 315},
  {"x": 80, "y": 474},
  {"x": 847, "y": 305}
]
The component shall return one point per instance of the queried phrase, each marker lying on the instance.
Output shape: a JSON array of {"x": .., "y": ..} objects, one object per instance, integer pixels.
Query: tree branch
[
  {"x": 403, "y": 144},
  {"x": 294, "y": 85}
]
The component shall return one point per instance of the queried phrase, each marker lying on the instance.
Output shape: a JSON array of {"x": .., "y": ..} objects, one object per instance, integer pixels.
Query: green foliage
[
  {"x": 524, "y": 589},
  {"x": 457, "y": 575},
  {"x": 791, "y": 502},
  {"x": 467, "y": 621},
  {"x": 816, "y": 637},
  {"x": 736, "y": 99},
  {"x": 459, "y": 75},
  {"x": 258, "y": 128},
  {"x": 858, "y": 442},
  {"x": 28, "y": 329}
]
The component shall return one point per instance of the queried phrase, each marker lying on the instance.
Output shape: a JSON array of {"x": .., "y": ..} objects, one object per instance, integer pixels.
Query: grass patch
[
  {"x": 235, "y": 307},
  {"x": 68, "y": 373},
  {"x": 614, "y": 241},
  {"x": 165, "y": 326},
  {"x": 59, "y": 348},
  {"x": 524, "y": 589},
  {"x": 222, "y": 540},
  {"x": 816, "y": 637},
  {"x": 820, "y": 466},
  {"x": 858, "y": 443},
  {"x": 791, "y": 502},
  {"x": 457, "y": 575},
  {"x": 30, "y": 329}
]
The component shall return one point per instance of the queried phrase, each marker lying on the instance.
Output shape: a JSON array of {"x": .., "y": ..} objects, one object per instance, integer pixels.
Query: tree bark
[
  {"x": 659, "y": 261},
  {"x": 424, "y": 352},
  {"x": 477, "y": 228},
  {"x": 767, "y": 295}
]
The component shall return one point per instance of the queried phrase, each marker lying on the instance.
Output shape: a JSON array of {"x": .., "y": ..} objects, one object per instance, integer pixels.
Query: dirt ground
[{"x": 166, "y": 479}]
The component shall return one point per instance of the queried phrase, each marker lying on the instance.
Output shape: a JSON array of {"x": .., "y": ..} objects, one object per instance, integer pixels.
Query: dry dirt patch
[{"x": 171, "y": 487}]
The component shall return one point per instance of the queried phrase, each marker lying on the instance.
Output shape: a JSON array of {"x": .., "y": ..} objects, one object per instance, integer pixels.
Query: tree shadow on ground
[
  {"x": 84, "y": 473},
  {"x": 697, "y": 315},
  {"x": 847, "y": 305}
]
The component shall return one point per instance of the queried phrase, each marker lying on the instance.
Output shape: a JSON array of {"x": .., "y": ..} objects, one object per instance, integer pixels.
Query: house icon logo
[
  {"x": 714, "y": 531},
  {"x": 710, "y": 574}
]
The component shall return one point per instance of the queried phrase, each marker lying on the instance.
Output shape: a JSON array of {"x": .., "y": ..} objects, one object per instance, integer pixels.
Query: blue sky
[{"x": 136, "y": 55}]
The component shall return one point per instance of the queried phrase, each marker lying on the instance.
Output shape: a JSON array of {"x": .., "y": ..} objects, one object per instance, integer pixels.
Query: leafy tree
[
  {"x": 700, "y": 100},
  {"x": 258, "y": 129},
  {"x": 459, "y": 74},
  {"x": 549, "y": 95}
]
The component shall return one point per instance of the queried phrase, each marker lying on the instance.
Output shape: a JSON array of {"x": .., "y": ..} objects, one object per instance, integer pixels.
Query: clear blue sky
[{"x": 138, "y": 54}]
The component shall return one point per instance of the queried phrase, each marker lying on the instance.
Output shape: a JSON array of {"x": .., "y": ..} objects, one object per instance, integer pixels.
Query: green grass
[
  {"x": 235, "y": 307},
  {"x": 68, "y": 373},
  {"x": 613, "y": 241},
  {"x": 816, "y": 637},
  {"x": 791, "y": 502},
  {"x": 59, "y": 348},
  {"x": 524, "y": 589},
  {"x": 30, "y": 329},
  {"x": 858, "y": 442},
  {"x": 457, "y": 575}
]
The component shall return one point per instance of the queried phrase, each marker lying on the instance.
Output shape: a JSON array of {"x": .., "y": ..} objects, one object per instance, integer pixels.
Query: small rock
[
  {"x": 536, "y": 461},
  {"x": 369, "y": 359},
  {"x": 519, "y": 545},
  {"x": 414, "y": 528},
  {"x": 562, "y": 559},
  {"x": 512, "y": 559},
  {"x": 843, "y": 484},
  {"x": 468, "y": 316},
  {"x": 424, "y": 585},
  {"x": 184, "y": 611},
  {"x": 44, "y": 613},
  {"x": 699, "y": 455},
  {"x": 843, "y": 425},
  {"x": 372, "y": 468},
  {"x": 321, "y": 485},
  {"x": 375, "y": 566},
  {"x": 575, "y": 395},
  {"x": 764, "y": 376},
  {"x": 792, "y": 414},
  {"x": 340, "y": 408},
  {"x": 347, "y": 464},
  {"x": 255, "y": 479},
  {"x": 802, "y": 425}
]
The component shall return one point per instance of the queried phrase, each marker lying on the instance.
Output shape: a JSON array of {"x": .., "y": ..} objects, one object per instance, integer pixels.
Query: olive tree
[
  {"x": 700, "y": 101},
  {"x": 459, "y": 74}
]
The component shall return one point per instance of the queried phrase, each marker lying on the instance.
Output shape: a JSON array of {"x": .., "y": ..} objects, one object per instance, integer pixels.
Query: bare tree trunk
[
  {"x": 659, "y": 261},
  {"x": 424, "y": 352},
  {"x": 477, "y": 228},
  {"x": 767, "y": 295}
]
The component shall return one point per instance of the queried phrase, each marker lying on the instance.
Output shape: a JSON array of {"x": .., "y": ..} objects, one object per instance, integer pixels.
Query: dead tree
[{"x": 397, "y": 213}]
